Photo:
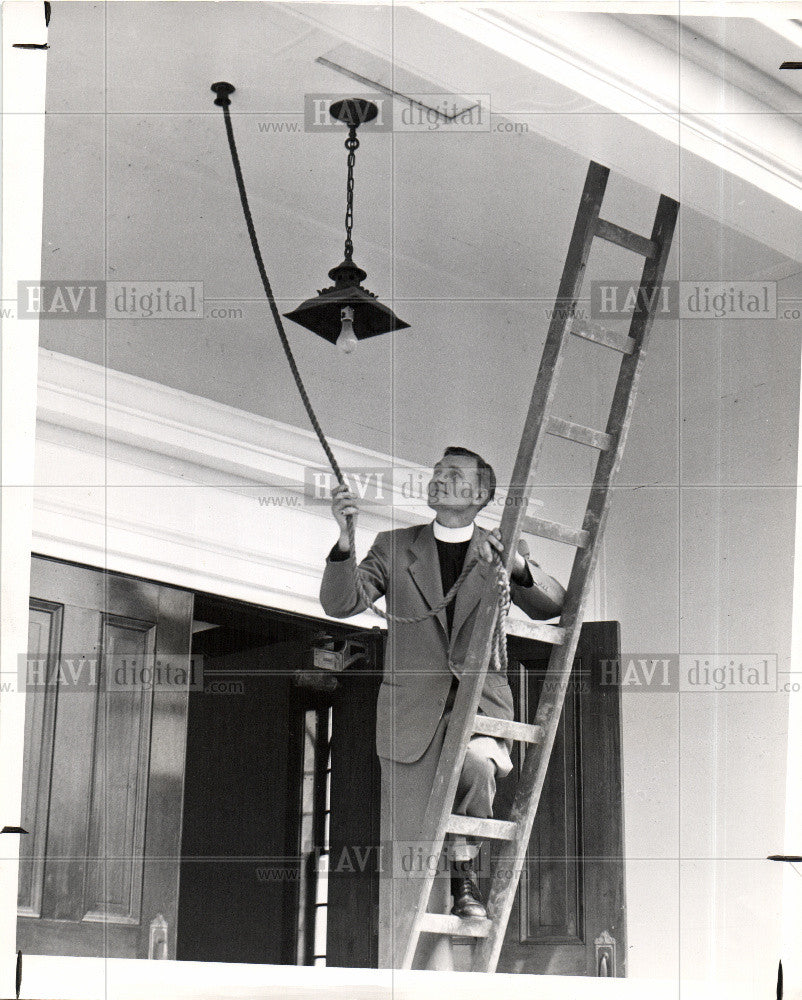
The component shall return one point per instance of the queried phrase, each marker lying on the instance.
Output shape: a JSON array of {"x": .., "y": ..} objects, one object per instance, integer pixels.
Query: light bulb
[{"x": 347, "y": 340}]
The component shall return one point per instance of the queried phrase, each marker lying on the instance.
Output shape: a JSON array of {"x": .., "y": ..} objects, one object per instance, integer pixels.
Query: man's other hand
[{"x": 493, "y": 543}]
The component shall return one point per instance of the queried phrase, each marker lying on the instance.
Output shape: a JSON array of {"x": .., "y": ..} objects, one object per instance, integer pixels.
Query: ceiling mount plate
[{"x": 354, "y": 111}]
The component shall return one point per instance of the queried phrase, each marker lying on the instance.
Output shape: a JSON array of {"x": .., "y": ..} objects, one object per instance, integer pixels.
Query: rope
[{"x": 499, "y": 645}]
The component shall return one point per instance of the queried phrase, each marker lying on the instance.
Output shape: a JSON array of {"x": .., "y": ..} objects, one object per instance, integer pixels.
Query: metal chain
[
  {"x": 499, "y": 651},
  {"x": 352, "y": 145}
]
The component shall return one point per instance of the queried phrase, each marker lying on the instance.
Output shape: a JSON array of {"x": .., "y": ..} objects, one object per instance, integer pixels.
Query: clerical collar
[{"x": 445, "y": 534}]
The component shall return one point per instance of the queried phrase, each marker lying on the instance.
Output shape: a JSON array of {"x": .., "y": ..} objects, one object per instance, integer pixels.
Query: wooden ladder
[{"x": 411, "y": 918}]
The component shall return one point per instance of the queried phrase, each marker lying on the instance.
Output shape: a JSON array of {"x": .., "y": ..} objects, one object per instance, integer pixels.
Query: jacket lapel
[
  {"x": 424, "y": 568},
  {"x": 470, "y": 592}
]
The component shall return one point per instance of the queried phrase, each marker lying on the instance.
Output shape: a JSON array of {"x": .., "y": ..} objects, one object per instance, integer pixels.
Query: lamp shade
[{"x": 322, "y": 314}]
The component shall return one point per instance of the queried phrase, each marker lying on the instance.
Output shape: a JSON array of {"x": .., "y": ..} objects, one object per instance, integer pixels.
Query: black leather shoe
[{"x": 467, "y": 897}]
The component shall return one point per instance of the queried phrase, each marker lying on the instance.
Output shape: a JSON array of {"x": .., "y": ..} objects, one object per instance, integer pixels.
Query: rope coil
[{"x": 499, "y": 639}]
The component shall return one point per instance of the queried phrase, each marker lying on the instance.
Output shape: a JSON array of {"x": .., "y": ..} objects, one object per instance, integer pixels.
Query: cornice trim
[{"x": 601, "y": 58}]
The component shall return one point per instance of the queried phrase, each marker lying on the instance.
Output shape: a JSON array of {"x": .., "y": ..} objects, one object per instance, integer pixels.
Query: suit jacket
[{"x": 421, "y": 659}]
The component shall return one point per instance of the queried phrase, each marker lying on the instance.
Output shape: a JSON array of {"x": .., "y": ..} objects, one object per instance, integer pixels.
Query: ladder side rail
[
  {"x": 558, "y": 673},
  {"x": 415, "y": 893}
]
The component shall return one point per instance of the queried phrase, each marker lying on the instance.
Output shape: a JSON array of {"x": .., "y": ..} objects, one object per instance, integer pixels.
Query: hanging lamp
[{"x": 346, "y": 312}]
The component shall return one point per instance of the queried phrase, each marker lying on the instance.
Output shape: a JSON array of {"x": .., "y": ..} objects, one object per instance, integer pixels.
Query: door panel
[
  {"x": 117, "y": 803},
  {"x": 107, "y": 738},
  {"x": 44, "y": 639},
  {"x": 552, "y": 895}
]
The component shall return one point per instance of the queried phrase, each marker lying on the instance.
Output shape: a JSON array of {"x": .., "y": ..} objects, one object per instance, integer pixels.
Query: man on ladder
[{"x": 414, "y": 568}]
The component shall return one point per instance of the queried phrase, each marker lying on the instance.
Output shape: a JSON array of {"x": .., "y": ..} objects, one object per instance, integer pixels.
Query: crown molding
[
  {"x": 148, "y": 425},
  {"x": 200, "y": 434},
  {"x": 140, "y": 478},
  {"x": 602, "y": 58}
]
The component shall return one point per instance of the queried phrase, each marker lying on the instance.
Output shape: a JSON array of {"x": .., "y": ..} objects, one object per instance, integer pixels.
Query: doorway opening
[{"x": 263, "y": 734}]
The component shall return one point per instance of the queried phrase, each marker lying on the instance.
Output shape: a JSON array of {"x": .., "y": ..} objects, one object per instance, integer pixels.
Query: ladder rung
[
  {"x": 444, "y": 923},
  {"x": 626, "y": 238},
  {"x": 553, "y": 634},
  {"x": 505, "y": 729},
  {"x": 600, "y": 335},
  {"x": 579, "y": 434},
  {"x": 557, "y": 532},
  {"x": 474, "y": 826}
]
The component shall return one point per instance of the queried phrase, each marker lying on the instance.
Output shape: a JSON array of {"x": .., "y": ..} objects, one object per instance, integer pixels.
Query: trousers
[{"x": 405, "y": 795}]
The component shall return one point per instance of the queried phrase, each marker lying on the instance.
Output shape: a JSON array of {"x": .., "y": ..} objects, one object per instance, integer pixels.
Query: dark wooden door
[
  {"x": 569, "y": 913},
  {"x": 240, "y": 808},
  {"x": 356, "y": 860},
  {"x": 105, "y": 731}
]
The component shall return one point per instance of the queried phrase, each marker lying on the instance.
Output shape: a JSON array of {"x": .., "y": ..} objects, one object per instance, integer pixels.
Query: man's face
[{"x": 455, "y": 484}]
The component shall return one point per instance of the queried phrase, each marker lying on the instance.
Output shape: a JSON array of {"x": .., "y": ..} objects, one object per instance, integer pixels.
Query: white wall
[{"x": 702, "y": 563}]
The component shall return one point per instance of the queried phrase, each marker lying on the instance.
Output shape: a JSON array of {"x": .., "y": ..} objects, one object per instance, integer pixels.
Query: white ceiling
[{"x": 463, "y": 234}]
